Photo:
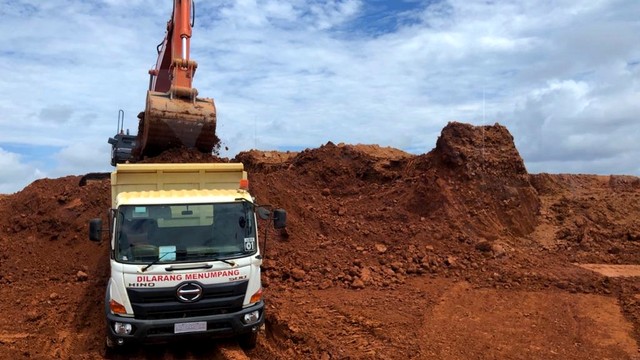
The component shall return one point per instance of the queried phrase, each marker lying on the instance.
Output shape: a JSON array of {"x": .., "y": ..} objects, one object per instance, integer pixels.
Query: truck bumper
[{"x": 163, "y": 330}]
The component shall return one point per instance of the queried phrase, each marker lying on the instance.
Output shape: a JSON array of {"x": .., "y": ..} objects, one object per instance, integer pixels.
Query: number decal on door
[{"x": 249, "y": 244}]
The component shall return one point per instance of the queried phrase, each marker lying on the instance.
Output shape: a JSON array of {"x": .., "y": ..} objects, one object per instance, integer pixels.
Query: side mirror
[
  {"x": 263, "y": 213},
  {"x": 95, "y": 229},
  {"x": 279, "y": 218}
]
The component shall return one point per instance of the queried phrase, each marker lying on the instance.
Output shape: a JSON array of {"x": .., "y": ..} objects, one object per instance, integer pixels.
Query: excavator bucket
[{"x": 176, "y": 122}]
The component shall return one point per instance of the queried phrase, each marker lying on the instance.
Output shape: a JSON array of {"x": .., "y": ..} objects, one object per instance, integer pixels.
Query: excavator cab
[{"x": 122, "y": 144}]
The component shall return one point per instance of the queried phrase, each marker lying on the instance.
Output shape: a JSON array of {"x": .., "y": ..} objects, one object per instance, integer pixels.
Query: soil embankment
[{"x": 455, "y": 253}]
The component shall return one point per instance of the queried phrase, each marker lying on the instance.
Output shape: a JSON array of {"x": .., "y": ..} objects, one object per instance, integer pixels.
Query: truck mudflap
[{"x": 165, "y": 330}]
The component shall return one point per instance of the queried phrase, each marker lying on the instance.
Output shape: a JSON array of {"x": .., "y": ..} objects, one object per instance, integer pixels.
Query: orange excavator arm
[
  {"x": 174, "y": 116},
  {"x": 176, "y": 45}
]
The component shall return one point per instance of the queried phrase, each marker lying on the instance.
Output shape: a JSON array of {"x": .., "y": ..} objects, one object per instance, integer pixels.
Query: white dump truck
[{"x": 184, "y": 252}]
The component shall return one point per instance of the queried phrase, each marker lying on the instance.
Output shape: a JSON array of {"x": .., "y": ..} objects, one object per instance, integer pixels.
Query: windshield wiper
[
  {"x": 198, "y": 266},
  {"x": 232, "y": 263},
  {"x": 157, "y": 260},
  {"x": 224, "y": 261},
  {"x": 212, "y": 257}
]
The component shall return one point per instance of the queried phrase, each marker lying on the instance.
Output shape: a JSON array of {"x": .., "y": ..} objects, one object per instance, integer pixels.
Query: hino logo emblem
[{"x": 189, "y": 292}]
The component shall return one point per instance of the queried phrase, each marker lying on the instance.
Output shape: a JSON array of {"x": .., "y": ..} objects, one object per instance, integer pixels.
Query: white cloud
[
  {"x": 82, "y": 157},
  {"x": 331, "y": 13},
  {"x": 563, "y": 75},
  {"x": 16, "y": 173}
]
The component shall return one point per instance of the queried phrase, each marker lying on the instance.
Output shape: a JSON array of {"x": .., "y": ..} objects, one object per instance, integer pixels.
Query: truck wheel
[
  {"x": 110, "y": 348},
  {"x": 248, "y": 341},
  {"x": 109, "y": 343}
]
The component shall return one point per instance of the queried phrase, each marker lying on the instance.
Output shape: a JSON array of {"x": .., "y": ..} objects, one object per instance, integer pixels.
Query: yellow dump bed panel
[{"x": 155, "y": 177}]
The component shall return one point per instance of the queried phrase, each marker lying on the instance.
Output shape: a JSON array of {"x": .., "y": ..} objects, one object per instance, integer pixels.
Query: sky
[{"x": 563, "y": 76}]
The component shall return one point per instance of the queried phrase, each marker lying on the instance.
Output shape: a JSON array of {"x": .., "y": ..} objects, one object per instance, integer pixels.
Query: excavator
[{"x": 174, "y": 115}]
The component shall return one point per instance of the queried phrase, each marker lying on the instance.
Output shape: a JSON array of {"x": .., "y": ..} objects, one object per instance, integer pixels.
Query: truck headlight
[
  {"x": 250, "y": 318},
  {"x": 122, "y": 328}
]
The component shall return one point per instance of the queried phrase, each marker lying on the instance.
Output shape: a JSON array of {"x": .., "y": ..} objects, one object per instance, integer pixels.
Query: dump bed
[{"x": 153, "y": 177}]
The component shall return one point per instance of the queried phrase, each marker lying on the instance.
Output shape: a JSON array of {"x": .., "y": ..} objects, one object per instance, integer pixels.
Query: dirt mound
[
  {"x": 389, "y": 215},
  {"x": 624, "y": 183},
  {"x": 594, "y": 216},
  {"x": 375, "y": 236},
  {"x": 184, "y": 155},
  {"x": 472, "y": 152},
  {"x": 264, "y": 161},
  {"x": 476, "y": 179},
  {"x": 47, "y": 267},
  {"x": 54, "y": 209}
]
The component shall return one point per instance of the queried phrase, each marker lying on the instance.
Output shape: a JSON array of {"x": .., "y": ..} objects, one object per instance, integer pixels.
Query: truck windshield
[{"x": 185, "y": 233}]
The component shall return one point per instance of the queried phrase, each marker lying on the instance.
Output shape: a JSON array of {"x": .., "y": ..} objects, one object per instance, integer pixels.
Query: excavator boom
[{"x": 174, "y": 115}]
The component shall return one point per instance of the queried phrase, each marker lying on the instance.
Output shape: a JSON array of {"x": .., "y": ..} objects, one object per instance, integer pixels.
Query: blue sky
[{"x": 563, "y": 76}]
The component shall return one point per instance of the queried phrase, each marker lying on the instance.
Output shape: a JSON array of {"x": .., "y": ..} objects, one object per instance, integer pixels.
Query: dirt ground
[{"x": 456, "y": 253}]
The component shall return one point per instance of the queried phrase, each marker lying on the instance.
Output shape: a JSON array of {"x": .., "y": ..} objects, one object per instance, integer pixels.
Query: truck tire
[
  {"x": 110, "y": 348},
  {"x": 109, "y": 343},
  {"x": 248, "y": 341}
]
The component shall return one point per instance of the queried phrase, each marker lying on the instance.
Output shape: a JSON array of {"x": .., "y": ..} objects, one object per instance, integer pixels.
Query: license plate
[{"x": 190, "y": 327}]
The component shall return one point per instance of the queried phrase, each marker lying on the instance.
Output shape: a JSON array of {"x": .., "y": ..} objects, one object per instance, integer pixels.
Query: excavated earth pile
[{"x": 456, "y": 253}]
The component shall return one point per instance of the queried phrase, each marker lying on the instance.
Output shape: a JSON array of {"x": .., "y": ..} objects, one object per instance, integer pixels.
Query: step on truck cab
[{"x": 184, "y": 253}]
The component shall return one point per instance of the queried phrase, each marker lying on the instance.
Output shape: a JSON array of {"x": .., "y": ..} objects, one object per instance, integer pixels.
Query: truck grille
[{"x": 162, "y": 303}]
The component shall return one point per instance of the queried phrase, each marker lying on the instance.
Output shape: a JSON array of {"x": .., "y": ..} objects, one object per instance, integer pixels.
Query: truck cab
[
  {"x": 122, "y": 143},
  {"x": 122, "y": 146},
  {"x": 184, "y": 253}
]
